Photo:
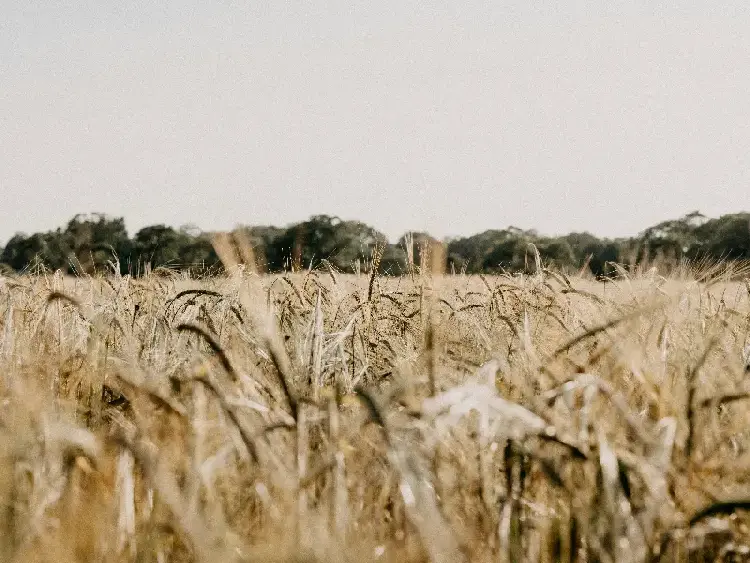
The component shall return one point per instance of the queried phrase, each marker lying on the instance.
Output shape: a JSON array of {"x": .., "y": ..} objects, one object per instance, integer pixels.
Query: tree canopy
[{"x": 96, "y": 243}]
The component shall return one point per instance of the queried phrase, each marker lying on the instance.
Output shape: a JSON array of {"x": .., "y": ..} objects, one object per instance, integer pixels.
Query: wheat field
[{"x": 319, "y": 416}]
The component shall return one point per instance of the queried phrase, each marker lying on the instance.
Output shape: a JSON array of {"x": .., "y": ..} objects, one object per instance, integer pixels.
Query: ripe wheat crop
[{"x": 319, "y": 416}]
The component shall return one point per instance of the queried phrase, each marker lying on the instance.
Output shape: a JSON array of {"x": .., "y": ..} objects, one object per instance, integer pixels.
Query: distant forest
[{"x": 96, "y": 243}]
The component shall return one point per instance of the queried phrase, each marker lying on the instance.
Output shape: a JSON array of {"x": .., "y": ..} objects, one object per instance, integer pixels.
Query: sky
[{"x": 450, "y": 117}]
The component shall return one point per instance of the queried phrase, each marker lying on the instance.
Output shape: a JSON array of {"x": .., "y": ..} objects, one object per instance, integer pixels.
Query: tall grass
[{"x": 319, "y": 416}]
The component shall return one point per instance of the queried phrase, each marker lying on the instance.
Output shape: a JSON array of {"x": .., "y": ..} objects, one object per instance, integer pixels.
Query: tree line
[{"x": 96, "y": 243}]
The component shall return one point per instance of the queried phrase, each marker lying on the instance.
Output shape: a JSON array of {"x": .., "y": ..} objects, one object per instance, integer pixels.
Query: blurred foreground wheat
[{"x": 327, "y": 417}]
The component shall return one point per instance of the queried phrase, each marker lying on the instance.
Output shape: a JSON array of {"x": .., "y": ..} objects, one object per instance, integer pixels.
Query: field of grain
[{"x": 327, "y": 417}]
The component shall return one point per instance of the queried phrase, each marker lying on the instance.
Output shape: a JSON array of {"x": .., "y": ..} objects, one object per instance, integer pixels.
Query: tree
[
  {"x": 472, "y": 252},
  {"x": 21, "y": 251},
  {"x": 158, "y": 245},
  {"x": 196, "y": 253},
  {"x": 95, "y": 240},
  {"x": 393, "y": 262},
  {"x": 323, "y": 237},
  {"x": 40, "y": 248},
  {"x": 88, "y": 243},
  {"x": 596, "y": 252},
  {"x": 508, "y": 254},
  {"x": 727, "y": 237},
  {"x": 557, "y": 253}
]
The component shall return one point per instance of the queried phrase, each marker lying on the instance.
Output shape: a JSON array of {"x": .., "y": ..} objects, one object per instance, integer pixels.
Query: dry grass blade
[
  {"x": 377, "y": 254},
  {"x": 588, "y": 380},
  {"x": 316, "y": 337},
  {"x": 537, "y": 258},
  {"x": 59, "y": 296},
  {"x": 199, "y": 292},
  {"x": 690, "y": 407},
  {"x": 231, "y": 411},
  {"x": 339, "y": 497},
  {"x": 587, "y": 294},
  {"x": 158, "y": 398},
  {"x": 213, "y": 344},
  {"x": 208, "y": 540},
  {"x": 283, "y": 370},
  {"x": 245, "y": 249},
  {"x": 719, "y": 508},
  {"x": 600, "y": 328},
  {"x": 417, "y": 493},
  {"x": 609, "y": 488},
  {"x": 373, "y": 409},
  {"x": 725, "y": 399},
  {"x": 303, "y": 446},
  {"x": 194, "y": 292},
  {"x": 331, "y": 271},
  {"x": 225, "y": 250},
  {"x": 431, "y": 350}
]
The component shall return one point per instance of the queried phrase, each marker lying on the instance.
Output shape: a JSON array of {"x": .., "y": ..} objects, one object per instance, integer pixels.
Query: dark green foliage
[
  {"x": 557, "y": 252},
  {"x": 492, "y": 251},
  {"x": 471, "y": 253},
  {"x": 321, "y": 237},
  {"x": 160, "y": 246},
  {"x": 95, "y": 243},
  {"x": 92, "y": 241},
  {"x": 393, "y": 261},
  {"x": 157, "y": 246},
  {"x": 593, "y": 252},
  {"x": 22, "y": 251},
  {"x": 728, "y": 237}
]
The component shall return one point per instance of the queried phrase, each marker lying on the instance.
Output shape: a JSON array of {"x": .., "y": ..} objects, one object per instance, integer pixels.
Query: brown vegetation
[{"x": 327, "y": 417}]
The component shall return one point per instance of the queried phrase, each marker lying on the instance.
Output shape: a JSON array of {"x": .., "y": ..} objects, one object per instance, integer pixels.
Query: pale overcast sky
[{"x": 453, "y": 117}]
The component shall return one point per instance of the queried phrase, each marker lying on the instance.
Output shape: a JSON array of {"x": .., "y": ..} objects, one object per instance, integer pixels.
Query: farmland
[{"x": 319, "y": 416}]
